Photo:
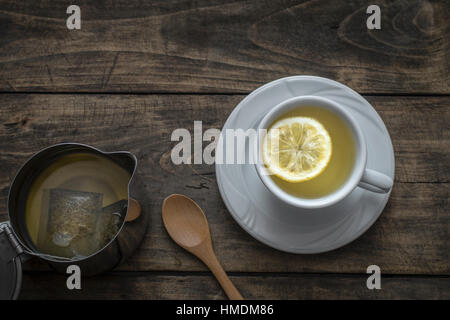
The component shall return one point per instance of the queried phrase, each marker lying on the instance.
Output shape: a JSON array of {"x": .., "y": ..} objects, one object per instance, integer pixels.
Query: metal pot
[{"x": 16, "y": 245}]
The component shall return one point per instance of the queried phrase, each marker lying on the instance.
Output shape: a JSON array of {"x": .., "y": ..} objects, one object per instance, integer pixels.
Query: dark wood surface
[
  {"x": 222, "y": 46},
  {"x": 144, "y": 285},
  {"x": 140, "y": 69}
]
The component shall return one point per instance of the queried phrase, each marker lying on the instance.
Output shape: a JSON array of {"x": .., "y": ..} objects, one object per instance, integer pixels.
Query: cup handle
[{"x": 375, "y": 181}]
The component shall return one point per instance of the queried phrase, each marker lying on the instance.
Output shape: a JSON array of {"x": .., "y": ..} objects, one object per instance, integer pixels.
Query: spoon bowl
[{"x": 185, "y": 221}]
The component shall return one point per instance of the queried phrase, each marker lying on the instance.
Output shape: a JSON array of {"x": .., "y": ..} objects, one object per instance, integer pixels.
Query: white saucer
[{"x": 288, "y": 228}]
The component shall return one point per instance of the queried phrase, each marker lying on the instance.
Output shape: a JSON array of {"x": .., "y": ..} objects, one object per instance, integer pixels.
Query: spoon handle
[{"x": 228, "y": 286}]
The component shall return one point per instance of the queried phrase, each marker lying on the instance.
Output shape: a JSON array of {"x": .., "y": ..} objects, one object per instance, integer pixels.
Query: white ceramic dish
[
  {"x": 290, "y": 228},
  {"x": 360, "y": 176}
]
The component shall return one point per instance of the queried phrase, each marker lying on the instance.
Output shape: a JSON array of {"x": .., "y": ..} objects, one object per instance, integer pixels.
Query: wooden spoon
[{"x": 187, "y": 226}]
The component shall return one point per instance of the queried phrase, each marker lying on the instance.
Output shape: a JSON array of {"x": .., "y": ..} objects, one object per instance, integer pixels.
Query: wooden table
[{"x": 137, "y": 70}]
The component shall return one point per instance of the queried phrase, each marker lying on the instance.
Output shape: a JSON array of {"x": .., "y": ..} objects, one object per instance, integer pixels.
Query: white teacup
[{"x": 360, "y": 176}]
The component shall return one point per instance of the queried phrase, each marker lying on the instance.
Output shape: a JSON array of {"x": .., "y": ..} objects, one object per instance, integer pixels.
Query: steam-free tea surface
[
  {"x": 76, "y": 205},
  {"x": 342, "y": 159}
]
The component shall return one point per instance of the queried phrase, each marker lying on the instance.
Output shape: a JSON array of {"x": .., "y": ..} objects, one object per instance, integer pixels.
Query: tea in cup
[{"x": 313, "y": 153}]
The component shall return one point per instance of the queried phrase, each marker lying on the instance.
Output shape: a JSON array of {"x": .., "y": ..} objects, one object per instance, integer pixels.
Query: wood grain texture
[
  {"x": 203, "y": 286},
  {"x": 222, "y": 46},
  {"x": 411, "y": 237}
]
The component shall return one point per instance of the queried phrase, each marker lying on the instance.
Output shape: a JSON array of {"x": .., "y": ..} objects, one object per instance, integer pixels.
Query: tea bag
[{"x": 67, "y": 217}]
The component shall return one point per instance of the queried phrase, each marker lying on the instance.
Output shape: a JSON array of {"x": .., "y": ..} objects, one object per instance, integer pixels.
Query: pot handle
[
  {"x": 134, "y": 210},
  {"x": 10, "y": 264}
]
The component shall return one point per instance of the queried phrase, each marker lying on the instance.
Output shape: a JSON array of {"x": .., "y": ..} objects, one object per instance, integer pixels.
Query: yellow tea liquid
[
  {"x": 73, "y": 207},
  {"x": 342, "y": 158}
]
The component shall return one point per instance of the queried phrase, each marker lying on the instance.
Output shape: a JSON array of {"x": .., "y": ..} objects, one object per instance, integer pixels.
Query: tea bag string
[{"x": 44, "y": 255}]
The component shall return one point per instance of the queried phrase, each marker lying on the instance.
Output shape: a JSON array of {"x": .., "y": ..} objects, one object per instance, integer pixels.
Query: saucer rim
[{"x": 335, "y": 245}]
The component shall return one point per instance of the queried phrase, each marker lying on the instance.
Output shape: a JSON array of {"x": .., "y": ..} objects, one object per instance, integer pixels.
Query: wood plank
[
  {"x": 222, "y": 46},
  {"x": 151, "y": 286},
  {"x": 418, "y": 127},
  {"x": 411, "y": 236}
]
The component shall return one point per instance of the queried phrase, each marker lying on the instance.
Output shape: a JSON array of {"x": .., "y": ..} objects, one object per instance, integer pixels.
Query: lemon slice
[{"x": 296, "y": 149}]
